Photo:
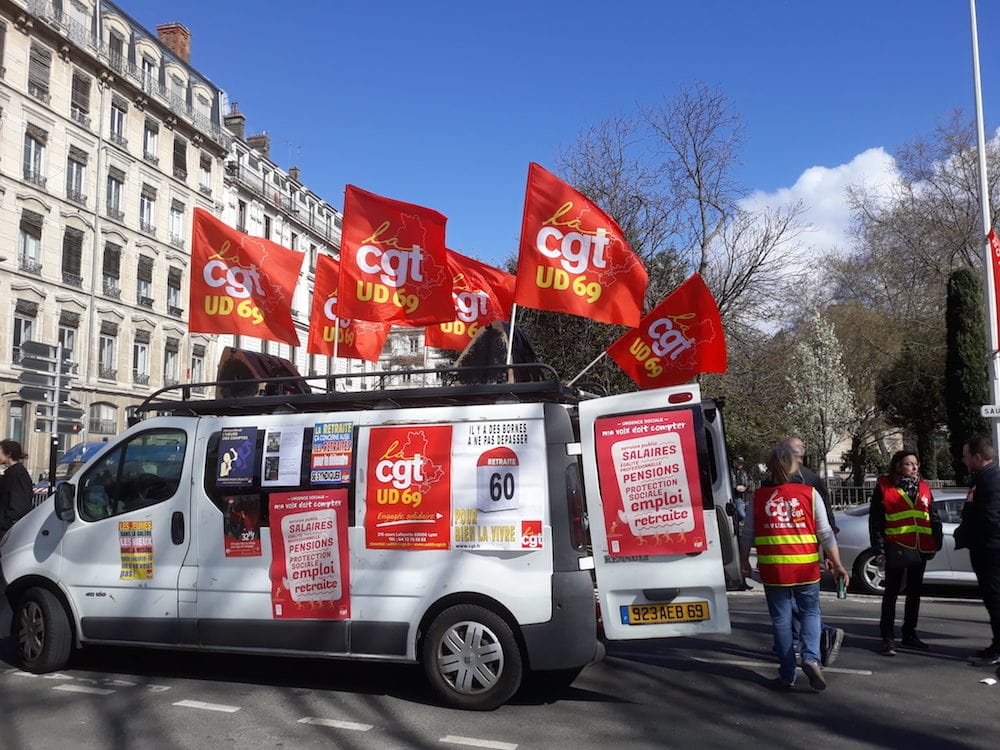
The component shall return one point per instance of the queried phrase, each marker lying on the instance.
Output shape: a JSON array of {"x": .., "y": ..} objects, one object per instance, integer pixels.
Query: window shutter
[
  {"x": 173, "y": 345},
  {"x": 37, "y": 133},
  {"x": 81, "y": 92},
  {"x": 31, "y": 218},
  {"x": 148, "y": 191},
  {"x": 142, "y": 337},
  {"x": 116, "y": 174},
  {"x": 152, "y": 126},
  {"x": 69, "y": 319},
  {"x": 72, "y": 251},
  {"x": 174, "y": 277},
  {"x": 198, "y": 350},
  {"x": 109, "y": 328},
  {"x": 180, "y": 154},
  {"x": 78, "y": 155},
  {"x": 119, "y": 103},
  {"x": 27, "y": 308},
  {"x": 39, "y": 63},
  {"x": 112, "y": 260},
  {"x": 176, "y": 206},
  {"x": 145, "y": 268}
]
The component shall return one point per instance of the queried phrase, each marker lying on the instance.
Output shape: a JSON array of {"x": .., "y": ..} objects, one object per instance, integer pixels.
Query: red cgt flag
[
  {"x": 995, "y": 260},
  {"x": 679, "y": 338},
  {"x": 393, "y": 262},
  {"x": 356, "y": 339},
  {"x": 481, "y": 295},
  {"x": 241, "y": 284},
  {"x": 573, "y": 257}
]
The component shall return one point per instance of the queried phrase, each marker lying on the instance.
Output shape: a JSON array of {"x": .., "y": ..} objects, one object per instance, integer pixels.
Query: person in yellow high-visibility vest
[{"x": 787, "y": 523}]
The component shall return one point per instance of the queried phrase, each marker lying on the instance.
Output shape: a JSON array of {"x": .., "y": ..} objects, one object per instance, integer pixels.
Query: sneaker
[
  {"x": 888, "y": 647},
  {"x": 779, "y": 684},
  {"x": 911, "y": 641},
  {"x": 815, "y": 675},
  {"x": 990, "y": 659},
  {"x": 833, "y": 644}
]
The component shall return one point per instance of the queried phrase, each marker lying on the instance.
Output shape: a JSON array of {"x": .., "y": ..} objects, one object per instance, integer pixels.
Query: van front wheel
[
  {"x": 471, "y": 658},
  {"x": 41, "y": 632}
]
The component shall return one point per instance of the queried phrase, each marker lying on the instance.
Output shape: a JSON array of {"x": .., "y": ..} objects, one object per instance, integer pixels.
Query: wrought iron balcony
[
  {"x": 119, "y": 139},
  {"x": 39, "y": 93},
  {"x": 147, "y": 227},
  {"x": 205, "y": 190},
  {"x": 115, "y": 213},
  {"x": 78, "y": 115},
  {"x": 75, "y": 196},
  {"x": 112, "y": 290},
  {"x": 29, "y": 265},
  {"x": 140, "y": 378},
  {"x": 168, "y": 382},
  {"x": 177, "y": 241},
  {"x": 150, "y": 157},
  {"x": 72, "y": 279},
  {"x": 102, "y": 426},
  {"x": 34, "y": 177},
  {"x": 177, "y": 312},
  {"x": 144, "y": 301},
  {"x": 107, "y": 373},
  {"x": 180, "y": 173}
]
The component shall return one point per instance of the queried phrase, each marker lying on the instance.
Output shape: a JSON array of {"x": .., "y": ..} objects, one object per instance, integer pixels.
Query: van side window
[{"x": 142, "y": 472}]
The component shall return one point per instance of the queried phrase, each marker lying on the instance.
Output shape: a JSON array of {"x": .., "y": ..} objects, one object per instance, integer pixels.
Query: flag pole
[
  {"x": 336, "y": 340},
  {"x": 989, "y": 277},
  {"x": 510, "y": 334},
  {"x": 580, "y": 374}
]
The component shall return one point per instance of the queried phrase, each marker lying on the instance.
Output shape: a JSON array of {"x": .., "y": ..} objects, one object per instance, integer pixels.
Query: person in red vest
[
  {"x": 905, "y": 532},
  {"x": 787, "y": 524}
]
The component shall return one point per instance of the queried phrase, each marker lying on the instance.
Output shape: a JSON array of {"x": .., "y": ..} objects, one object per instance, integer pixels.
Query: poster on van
[
  {"x": 282, "y": 459},
  {"x": 310, "y": 564},
  {"x": 498, "y": 492},
  {"x": 135, "y": 544},
  {"x": 237, "y": 446},
  {"x": 408, "y": 490},
  {"x": 241, "y": 526},
  {"x": 647, "y": 465},
  {"x": 331, "y": 453}
]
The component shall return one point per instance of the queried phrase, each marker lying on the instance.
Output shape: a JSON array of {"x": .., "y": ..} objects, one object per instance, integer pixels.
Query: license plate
[{"x": 654, "y": 614}]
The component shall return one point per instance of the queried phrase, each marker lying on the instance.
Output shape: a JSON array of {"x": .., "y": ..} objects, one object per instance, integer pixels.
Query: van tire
[
  {"x": 41, "y": 632},
  {"x": 471, "y": 658}
]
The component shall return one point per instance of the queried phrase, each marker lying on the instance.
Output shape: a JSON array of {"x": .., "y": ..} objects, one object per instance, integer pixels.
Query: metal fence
[{"x": 844, "y": 496}]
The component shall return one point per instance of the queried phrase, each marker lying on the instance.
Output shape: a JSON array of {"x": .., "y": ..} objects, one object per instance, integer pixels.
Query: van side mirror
[{"x": 65, "y": 502}]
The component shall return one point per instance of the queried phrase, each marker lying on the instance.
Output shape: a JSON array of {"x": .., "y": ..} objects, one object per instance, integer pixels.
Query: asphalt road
[{"x": 682, "y": 693}]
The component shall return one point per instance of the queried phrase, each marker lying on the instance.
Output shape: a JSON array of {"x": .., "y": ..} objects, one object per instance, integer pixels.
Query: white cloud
[{"x": 821, "y": 191}]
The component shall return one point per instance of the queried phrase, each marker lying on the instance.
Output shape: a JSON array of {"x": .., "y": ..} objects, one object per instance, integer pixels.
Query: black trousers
[
  {"x": 986, "y": 564},
  {"x": 911, "y": 611}
]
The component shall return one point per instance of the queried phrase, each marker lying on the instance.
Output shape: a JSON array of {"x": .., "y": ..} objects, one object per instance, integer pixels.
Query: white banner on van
[
  {"x": 282, "y": 460},
  {"x": 498, "y": 484}
]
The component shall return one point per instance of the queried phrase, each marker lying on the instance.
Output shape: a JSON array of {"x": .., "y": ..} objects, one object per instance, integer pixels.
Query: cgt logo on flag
[
  {"x": 680, "y": 338},
  {"x": 531, "y": 534},
  {"x": 354, "y": 339},
  {"x": 573, "y": 257},
  {"x": 481, "y": 293}
]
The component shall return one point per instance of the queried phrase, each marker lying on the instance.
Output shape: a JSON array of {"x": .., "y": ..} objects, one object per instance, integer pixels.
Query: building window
[
  {"x": 67, "y": 339},
  {"x": 144, "y": 281},
  {"x": 3, "y": 44},
  {"x": 197, "y": 369},
  {"x": 106, "y": 356},
  {"x": 34, "y": 155},
  {"x": 39, "y": 66},
  {"x": 241, "y": 216},
  {"x": 16, "y": 415},
  {"x": 203, "y": 106},
  {"x": 148, "y": 74},
  {"x": 116, "y": 184},
  {"x": 79, "y": 108},
  {"x": 24, "y": 330},
  {"x": 72, "y": 257},
  {"x": 29, "y": 242},
  {"x": 147, "y": 209},
  {"x": 177, "y": 224},
  {"x": 112, "y": 270},
  {"x": 116, "y": 51},
  {"x": 174, "y": 292},
  {"x": 76, "y": 175},
  {"x": 119, "y": 109},
  {"x": 150, "y": 135},
  {"x": 140, "y": 362},
  {"x": 103, "y": 420},
  {"x": 267, "y": 227},
  {"x": 170, "y": 376},
  {"x": 205, "y": 174},
  {"x": 178, "y": 91},
  {"x": 180, "y": 158}
]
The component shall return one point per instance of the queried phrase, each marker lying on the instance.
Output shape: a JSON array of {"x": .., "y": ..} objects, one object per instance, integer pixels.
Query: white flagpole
[
  {"x": 989, "y": 280},
  {"x": 336, "y": 340},
  {"x": 510, "y": 333},
  {"x": 594, "y": 362}
]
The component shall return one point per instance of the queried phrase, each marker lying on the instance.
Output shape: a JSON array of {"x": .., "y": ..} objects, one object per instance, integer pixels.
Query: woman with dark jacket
[
  {"x": 905, "y": 533},
  {"x": 15, "y": 485}
]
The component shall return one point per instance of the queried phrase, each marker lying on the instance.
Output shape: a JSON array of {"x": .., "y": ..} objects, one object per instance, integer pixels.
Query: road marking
[
  {"x": 83, "y": 689},
  {"x": 473, "y": 742},
  {"x": 208, "y": 706},
  {"x": 336, "y": 724}
]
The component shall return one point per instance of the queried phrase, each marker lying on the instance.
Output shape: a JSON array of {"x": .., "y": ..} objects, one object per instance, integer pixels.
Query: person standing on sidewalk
[
  {"x": 905, "y": 532},
  {"x": 787, "y": 524},
  {"x": 980, "y": 533}
]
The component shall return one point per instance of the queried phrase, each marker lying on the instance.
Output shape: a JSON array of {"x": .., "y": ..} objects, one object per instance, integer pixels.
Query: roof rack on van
[{"x": 488, "y": 384}]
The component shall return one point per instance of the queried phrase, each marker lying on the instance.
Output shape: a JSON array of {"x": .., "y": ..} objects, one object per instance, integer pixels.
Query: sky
[{"x": 444, "y": 103}]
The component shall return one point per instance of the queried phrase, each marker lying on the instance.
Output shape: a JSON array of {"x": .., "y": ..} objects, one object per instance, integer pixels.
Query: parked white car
[{"x": 949, "y": 566}]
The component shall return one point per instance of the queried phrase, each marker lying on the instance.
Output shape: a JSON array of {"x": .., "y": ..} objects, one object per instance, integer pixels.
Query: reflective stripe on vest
[
  {"x": 785, "y": 535},
  {"x": 907, "y": 522}
]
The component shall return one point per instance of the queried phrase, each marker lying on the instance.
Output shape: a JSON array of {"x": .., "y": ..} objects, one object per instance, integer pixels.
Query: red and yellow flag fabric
[
  {"x": 481, "y": 295},
  {"x": 679, "y": 338},
  {"x": 241, "y": 284},
  {"x": 573, "y": 257},
  {"x": 393, "y": 262},
  {"x": 356, "y": 339}
]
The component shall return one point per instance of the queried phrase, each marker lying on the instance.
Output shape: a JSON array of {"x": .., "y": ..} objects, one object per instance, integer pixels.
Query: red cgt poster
[
  {"x": 648, "y": 471},
  {"x": 310, "y": 571}
]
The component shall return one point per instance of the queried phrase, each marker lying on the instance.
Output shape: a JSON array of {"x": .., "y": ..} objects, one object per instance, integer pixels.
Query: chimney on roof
[
  {"x": 235, "y": 121},
  {"x": 261, "y": 142},
  {"x": 176, "y": 37},
  {"x": 295, "y": 174}
]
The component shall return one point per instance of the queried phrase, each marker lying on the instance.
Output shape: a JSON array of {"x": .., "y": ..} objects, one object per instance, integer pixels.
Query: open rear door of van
[{"x": 657, "y": 555}]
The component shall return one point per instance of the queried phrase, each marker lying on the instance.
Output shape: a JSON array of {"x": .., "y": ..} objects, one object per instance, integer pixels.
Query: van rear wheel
[
  {"x": 42, "y": 632},
  {"x": 471, "y": 658}
]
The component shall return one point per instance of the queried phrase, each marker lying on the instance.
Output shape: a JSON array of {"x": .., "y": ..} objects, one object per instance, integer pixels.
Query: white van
[{"x": 444, "y": 525}]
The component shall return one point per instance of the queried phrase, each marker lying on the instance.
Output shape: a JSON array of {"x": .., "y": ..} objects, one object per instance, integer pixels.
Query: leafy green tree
[
  {"x": 966, "y": 375},
  {"x": 822, "y": 406}
]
